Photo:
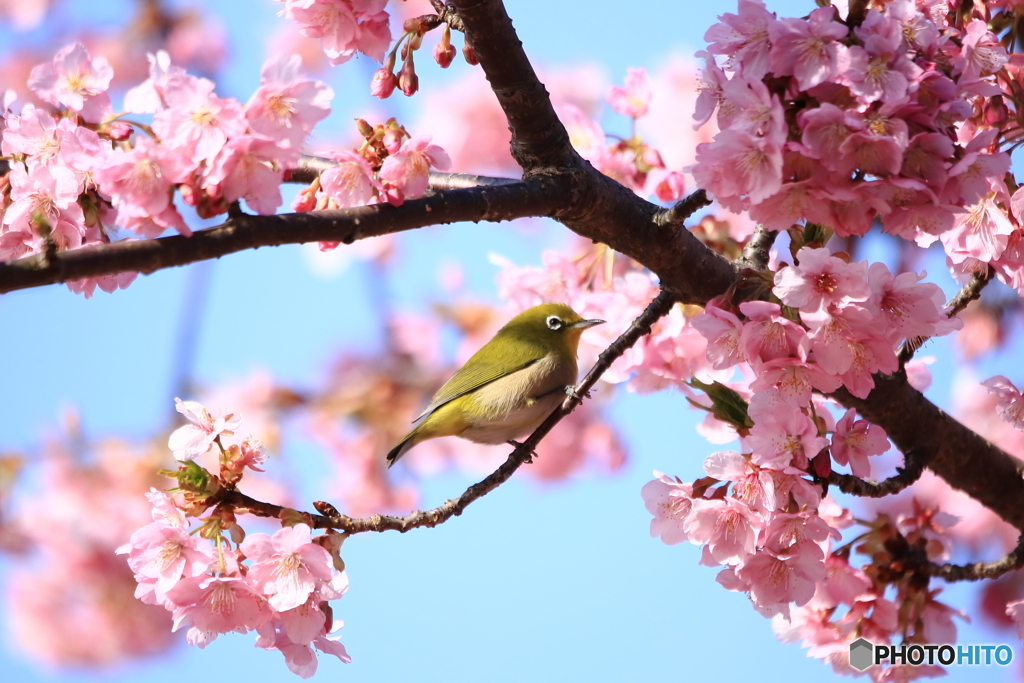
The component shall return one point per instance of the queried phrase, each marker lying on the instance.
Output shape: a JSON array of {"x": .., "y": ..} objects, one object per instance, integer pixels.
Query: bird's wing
[{"x": 476, "y": 372}]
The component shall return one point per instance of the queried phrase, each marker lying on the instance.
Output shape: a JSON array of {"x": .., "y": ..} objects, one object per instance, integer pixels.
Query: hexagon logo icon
[{"x": 861, "y": 654}]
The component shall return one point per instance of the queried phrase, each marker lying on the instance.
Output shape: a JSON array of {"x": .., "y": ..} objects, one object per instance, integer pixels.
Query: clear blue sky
[{"x": 532, "y": 583}]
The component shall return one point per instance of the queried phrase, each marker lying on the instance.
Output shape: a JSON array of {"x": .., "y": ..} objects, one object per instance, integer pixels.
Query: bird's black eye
[{"x": 554, "y": 322}]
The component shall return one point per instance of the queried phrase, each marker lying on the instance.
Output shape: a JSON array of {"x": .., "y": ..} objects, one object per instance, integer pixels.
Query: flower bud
[
  {"x": 119, "y": 130},
  {"x": 469, "y": 54},
  {"x": 444, "y": 54},
  {"x": 408, "y": 81},
  {"x": 383, "y": 84}
]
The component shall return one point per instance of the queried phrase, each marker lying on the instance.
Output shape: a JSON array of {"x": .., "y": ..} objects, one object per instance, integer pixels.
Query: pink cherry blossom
[
  {"x": 728, "y": 526},
  {"x": 44, "y": 199},
  {"x": 633, "y": 99},
  {"x": 821, "y": 280},
  {"x": 143, "y": 176},
  {"x": 795, "y": 379},
  {"x": 250, "y": 167},
  {"x": 743, "y": 37},
  {"x": 982, "y": 54},
  {"x": 286, "y": 105},
  {"x": 195, "y": 439},
  {"x": 768, "y": 334},
  {"x": 722, "y": 330},
  {"x": 855, "y": 440},
  {"x": 148, "y": 97},
  {"x": 1011, "y": 403},
  {"x": 670, "y": 501},
  {"x": 75, "y": 80},
  {"x": 351, "y": 182},
  {"x": 218, "y": 604},
  {"x": 909, "y": 307},
  {"x": 751, "y": 484},
  {"x": 788, "y": 438},
  {"x": 287, "y": 566},
  {"x": 196, "y": 119},
  {"x": 739, "y": 164},
  {"x": 780, "y": 577},
  {"x": 808, "y": 49},
  {"x": 407, "y": 171},
  {"x": 164, "y": 554}
]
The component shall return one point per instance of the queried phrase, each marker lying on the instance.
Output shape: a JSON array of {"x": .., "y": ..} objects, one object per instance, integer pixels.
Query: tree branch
[
  {"x": 605, "y": 211},
  {"x": 683, "y": 209},
  {"x": 330, "y": 519},
  {"x": 911, "y": 471},
  {"x": 979, "y": 570},
  {"x": 537, "y": 197},
  {"x": 755, "y": 253}
]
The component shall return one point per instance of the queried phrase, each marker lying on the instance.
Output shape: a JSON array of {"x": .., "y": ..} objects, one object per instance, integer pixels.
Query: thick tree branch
[
  {"x": 537, "y": 197},
  {"x": 330, "y": 519}
]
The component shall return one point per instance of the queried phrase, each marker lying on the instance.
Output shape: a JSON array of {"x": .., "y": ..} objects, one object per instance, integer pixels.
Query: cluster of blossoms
[
  {"x": 344, "y": 27},
  {"x": 200, "y": 574},
  {"x": 757, "y": 513},
  {"x": 630, "y": 161},
  {"x": 77, "y": 171},
  {"x": 892, "y": 115},
  {"x": 390, "y": 166}
]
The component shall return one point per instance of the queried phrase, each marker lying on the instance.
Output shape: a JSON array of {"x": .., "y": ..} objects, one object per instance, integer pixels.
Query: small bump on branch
[
  {"x": 683, "y": 209},
  {"x": 755, "y": 253}
]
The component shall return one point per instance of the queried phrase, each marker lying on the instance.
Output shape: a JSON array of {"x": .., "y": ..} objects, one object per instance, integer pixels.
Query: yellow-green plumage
[{"x": 510, "y": 385}]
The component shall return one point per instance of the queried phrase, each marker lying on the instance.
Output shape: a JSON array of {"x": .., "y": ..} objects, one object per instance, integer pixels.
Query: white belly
[{"x": 515, "y": 405}]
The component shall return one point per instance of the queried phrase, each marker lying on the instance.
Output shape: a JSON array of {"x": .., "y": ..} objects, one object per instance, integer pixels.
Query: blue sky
[{"x": 531, "y": 583}]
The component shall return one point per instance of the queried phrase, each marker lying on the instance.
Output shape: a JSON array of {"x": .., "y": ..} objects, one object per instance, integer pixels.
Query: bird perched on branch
[{"x": 510, "y": 385}]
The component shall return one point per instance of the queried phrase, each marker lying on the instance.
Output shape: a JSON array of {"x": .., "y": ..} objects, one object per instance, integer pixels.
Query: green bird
[{"x": 510, "y": 385}]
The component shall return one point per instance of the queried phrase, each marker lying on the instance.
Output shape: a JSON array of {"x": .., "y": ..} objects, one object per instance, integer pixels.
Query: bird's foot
[
  {"x": 571, "y": 391},
  {"x": 529, "y": 457}
]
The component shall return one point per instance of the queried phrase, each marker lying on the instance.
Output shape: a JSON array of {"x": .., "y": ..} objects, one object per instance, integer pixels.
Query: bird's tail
[{"x": 399, "y": 450}]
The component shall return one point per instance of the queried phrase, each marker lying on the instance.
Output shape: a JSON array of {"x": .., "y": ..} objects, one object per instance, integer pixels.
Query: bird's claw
[
  {"x": 571, "y": 392},
  {"x": 529, "y": 456}
]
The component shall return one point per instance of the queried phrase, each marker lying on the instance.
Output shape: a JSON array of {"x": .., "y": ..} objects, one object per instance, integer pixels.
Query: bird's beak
[{"x": 584, "y": 324}]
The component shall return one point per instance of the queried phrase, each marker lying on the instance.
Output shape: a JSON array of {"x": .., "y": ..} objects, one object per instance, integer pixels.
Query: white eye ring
[{"x": 554, "y": 322}]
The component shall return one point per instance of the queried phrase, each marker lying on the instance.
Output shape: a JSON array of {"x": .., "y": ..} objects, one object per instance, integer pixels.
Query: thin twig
[
  {"x": 910, "y": 472},
  {"x": 968, "y": 293},
  {"x": 755, "y": 253},
  {"x": 659, "y": 307},
  {"x": 683, "y": 209},
  {"x": 979, "y": 570}
]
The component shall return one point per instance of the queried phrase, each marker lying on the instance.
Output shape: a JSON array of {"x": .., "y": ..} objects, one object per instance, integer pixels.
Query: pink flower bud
[
  {"x": 392, "y": 140},
  {"x": 444, "y": 54},
  {"x": 383, "y": 84},
  {"x": 408, "y": 81},
  {"x": 119, "y": 130},
  {"x": 469, "y": 54}
]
